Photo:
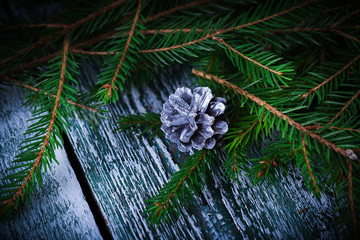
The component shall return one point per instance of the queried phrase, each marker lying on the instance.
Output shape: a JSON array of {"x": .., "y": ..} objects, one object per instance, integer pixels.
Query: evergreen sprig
[
  {"x": 288, "y": 69},
  {"x": 44, "y": 136},
  {"x": 183, "y": 184}
]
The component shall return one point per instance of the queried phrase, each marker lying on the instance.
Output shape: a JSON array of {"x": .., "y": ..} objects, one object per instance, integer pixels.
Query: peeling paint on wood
[{"x": 56, "y": 211}]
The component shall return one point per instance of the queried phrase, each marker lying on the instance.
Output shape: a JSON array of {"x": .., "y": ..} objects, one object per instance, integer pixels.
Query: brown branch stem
[
  {"x": 273, "y": 110},
  {"x": 209, "y": 36},
  {"x": 41, "y": 153},
  {"x": 148, "y": 19},
  {"x": 109, "y": 92},
  {"x": 31, "y": 64},
  {"x": 347, "y": 35},
  {"x": 48, "y": 94},
  {"x": 39, "y": 43},
  {"x": 247, "y": 58},
  {"x": 308, "y": 164},
  {"x": 344, "y": 108},
  {"x": 330, "y": 78},
  {"x": 234, "y": 163},
  {"x": 344, "y": 18},
  {"x": 318, "y": 126},
  {"x": 178, "y": 185},
  {"x": 92, "y": 16},
  {"x": 178, "y": 8},
  {"x": 65, "y": 30}
]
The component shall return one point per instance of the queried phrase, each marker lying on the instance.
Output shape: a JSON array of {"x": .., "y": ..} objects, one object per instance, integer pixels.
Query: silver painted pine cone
[{"x": 193, "y": 119}]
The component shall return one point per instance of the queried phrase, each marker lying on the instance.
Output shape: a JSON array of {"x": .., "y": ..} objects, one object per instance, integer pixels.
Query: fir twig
[
  {"x": 330, "y": 78},
  {"x": 166, "y": 200},
  {"x": 273, "y": 110},
  {"x": 178, "y": 8},
  {"x": 39, "y": 43},
  {"x": 92, "y": 16},
  {"x": 31, "y": 64},
  {"x": 19, "y": 192},
  {"x": 344, "y": 108},
  {"x": 209, "y": 36},
  {"x": 97, "y": 53},
  {"x": 46, "y": 93},
  {"x": 111, "y": 86},
  {"x": 318, "y": 126},
  {"x": 344, "y": 18},
  {"x": 308, "y": 164},
  {"x": 147, "y": 20},
  {"x": 65, "y": 30},
  {"x": 347, "y": 35},
  {"x": 247, "y": 58}
]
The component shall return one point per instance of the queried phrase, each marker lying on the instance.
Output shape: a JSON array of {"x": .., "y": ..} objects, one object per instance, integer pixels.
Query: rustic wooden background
[{"x": 123, "y": 169}]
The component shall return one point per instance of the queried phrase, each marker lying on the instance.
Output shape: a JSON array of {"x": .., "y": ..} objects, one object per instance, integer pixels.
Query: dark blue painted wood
[{"x": 58, "y": 210}]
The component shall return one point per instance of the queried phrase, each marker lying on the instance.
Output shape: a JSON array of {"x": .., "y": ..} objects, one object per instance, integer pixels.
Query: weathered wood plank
[
  {"x": 124, "y": 169},
  {"x": 56, "y": 211}
]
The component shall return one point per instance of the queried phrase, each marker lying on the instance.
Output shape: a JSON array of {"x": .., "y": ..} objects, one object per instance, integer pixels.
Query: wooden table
[{"x": 122, "y": 169}]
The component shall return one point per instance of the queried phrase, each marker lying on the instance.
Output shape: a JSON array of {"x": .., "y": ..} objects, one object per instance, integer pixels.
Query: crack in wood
[{"x": 99, "y": 218}]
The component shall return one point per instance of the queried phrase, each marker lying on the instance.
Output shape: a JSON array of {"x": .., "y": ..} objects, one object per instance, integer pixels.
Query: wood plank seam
[{"x": 100, "y": 220}]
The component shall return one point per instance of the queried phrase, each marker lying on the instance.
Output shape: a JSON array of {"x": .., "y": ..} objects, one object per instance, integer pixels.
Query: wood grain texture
[
  {"x": 58, "y": 210},
  {"x": 124, "y": 169}
]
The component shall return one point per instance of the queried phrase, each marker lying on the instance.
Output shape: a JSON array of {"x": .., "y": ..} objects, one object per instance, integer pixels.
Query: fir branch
[
  {"x": 315, "y": 29},
  {"x": 97, "y": 39},
  {"x": 92, "y": 16},
  {"x": 318, "y": 126},
  {"x": 209, "y": 36},
  {"x": 41, "y": 60},
  {"x": 266, "y": 167},
  {"x": 38, "y": 44},
  {"x": 147, "y": 20},
  {"x": 97, "y": 53},
  {"x": 247, "y": 58},
  {"x": 65, "y": 30},
  {"x": 234, "y": 163},
  {"x": 347, "y": 35},
  {"x": 273, "y": 110},
  {"x": 330, "y": 78},
  {"x": 344, "y": 108},
  {"x": 335, "y": 24},
  {"x": 46, "y": 93},
  {"x": 178, "y": 8},
  {"x": 166, "y": 200},
  {"x": 111, "y": 86},
  {"x": 30, "y": 65},
  {"x": 241, "y": 137},
  {"x": 346, "y": 129},
  {"x": 36, "y": 165},
  {"x": 171, "y": 31},
  {"x": 308, "y": 164}
]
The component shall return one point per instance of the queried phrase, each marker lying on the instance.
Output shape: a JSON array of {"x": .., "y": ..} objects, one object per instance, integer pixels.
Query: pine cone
[{"x": 193, "y": 119}]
